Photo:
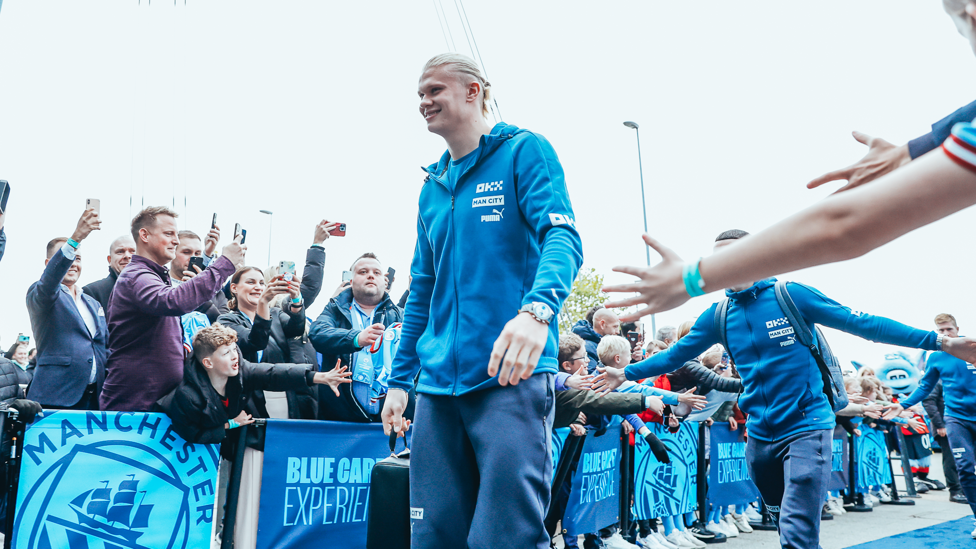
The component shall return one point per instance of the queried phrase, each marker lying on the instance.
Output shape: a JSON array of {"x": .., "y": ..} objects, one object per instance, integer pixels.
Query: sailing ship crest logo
[{"x": 132, "y": 485}]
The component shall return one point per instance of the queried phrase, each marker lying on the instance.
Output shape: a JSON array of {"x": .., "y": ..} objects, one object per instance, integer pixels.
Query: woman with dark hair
[{"x": 263, "y": 331}]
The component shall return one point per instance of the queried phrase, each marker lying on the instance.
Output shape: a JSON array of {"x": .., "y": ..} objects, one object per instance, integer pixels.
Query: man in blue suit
[{"x": 69, "y": 327}]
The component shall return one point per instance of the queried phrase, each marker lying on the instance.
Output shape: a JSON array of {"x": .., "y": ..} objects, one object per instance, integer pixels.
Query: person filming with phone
[
  {"x": 191, "y": 259},
  {"x": 145, "y": 335},
  {"x": 349, "y": 329},
  {"x": 69, "y": 326}
]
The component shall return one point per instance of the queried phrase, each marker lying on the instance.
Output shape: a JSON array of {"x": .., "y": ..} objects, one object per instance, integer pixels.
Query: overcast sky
[{"x": 309, "y": 109}]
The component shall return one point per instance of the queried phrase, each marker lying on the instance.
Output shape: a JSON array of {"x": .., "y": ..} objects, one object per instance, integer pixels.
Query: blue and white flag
[
  {"x": 315, "y": 486},
  {"x": 594, "y": 500},
  {"x": 872, "y": 459},
  {"x": 111, "y": 480},
  {"x": 840, "y": 461},
  {"x": 729, "y": 481},
  {"x": 667, "y": 489}
]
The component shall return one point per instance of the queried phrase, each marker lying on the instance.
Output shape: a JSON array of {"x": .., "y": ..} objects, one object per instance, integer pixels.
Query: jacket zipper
[{"x": 762, "y": 382}]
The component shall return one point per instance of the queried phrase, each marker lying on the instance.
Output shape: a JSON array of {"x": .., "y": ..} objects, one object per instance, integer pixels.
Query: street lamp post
[
  {"x": 636, "y": 127},
  {"x": 271, "y": 227}
]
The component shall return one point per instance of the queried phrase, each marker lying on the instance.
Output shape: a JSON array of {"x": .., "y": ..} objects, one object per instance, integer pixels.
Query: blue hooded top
[
  {"x": 958, "y": 385},
  {"x": 783, "y": 390},
  {"x": 499, "y": 235}
]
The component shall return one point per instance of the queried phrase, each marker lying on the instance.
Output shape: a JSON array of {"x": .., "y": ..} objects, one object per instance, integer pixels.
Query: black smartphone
[
  {"x": 390, "y": 275},
  {"x": 196, "y": 260},
  {"x": 213, "y": 224},
  {"x": 4, "y": 195},
  {"x": 634, "y": 339},
  {"x": 243, "y": 236}
]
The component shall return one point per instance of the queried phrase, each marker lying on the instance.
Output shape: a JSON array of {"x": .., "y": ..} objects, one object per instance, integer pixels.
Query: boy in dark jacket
[{"x": 217, "y": 382}]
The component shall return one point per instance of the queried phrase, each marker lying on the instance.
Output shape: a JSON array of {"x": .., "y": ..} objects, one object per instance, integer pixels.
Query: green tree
[{"x": 586, "y": 294}]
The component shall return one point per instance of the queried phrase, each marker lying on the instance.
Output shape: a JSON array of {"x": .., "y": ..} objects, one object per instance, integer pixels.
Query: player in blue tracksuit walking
[
  {"x": 497, "y": 253},
  {"x": 790, "y": 418},
  {"x": 959, "y": 387}
]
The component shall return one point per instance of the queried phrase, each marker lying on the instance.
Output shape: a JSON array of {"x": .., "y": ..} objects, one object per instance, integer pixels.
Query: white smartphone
[{"x": 94, "y": 204}]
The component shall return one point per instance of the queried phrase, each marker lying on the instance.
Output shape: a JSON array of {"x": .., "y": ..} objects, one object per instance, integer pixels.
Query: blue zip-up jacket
[
  {"x": 783, "y": 390},
  {"x": 504, "y": 237},
  {"x": 958, "y": 385}
]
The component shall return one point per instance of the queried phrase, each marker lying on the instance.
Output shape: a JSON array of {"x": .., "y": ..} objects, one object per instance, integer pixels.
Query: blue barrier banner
[
  {"x": 594, "y": 501},
  {"x": 728, "y": 476},
  {"x": 872, "y": 459},
  {"x": 113, "y": 480},
  {"x": 667, "y": 489},
  {"x": 840, "y": 468},
  {"x": 315, "y": 484},
  {"x": 559, "y": 438}
]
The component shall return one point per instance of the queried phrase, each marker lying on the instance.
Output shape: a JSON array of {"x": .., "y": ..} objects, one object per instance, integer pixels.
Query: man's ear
[
  {"x": 46, "y": 260},
  {"x": 207, "y": 363},
  {"x": 144, "y": 235},
  {"x": 474, "y": 90}
]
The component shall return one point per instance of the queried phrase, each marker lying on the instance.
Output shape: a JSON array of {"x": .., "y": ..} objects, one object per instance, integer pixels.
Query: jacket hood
[
  {"x": 586, "y": 331},
  {"x": 750, "y": 293},
  {"x": 500, "y": 133}
]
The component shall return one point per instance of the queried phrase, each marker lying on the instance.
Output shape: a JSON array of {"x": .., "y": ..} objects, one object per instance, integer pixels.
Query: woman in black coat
[{"x": 265, "y": 333}]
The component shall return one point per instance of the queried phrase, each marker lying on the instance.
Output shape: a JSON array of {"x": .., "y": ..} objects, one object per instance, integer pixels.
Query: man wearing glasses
[{"x": 790, "y": 421}]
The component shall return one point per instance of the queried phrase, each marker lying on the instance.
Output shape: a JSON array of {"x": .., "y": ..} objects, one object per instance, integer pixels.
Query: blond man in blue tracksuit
[{"x": 497, "y": 252}]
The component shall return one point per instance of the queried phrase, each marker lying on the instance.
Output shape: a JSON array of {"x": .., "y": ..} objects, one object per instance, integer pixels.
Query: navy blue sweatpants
[
  {"x": 792, "y": 475},
  {"x": 962, "y": 434},
  {"x": 480, "y": 467}
]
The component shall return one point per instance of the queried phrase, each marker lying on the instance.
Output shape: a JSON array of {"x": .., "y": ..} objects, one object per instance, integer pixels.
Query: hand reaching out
[
  {"x": 882, "y": 158},
  {"x": 689, "y": 397},
  {"x": 334, "y": 377},
  {"x": 580, "y": 380}
]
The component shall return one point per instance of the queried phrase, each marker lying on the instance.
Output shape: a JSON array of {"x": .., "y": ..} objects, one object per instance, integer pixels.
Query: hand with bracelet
[{"x": 242, "y": 418}]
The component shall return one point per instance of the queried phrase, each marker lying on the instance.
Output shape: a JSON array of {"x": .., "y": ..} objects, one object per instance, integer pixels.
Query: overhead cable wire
[
  {"x": 446, "y": 24},
  {"x": 480, "y": 60},
  {"x": 441, "y": 22},
  {"x": 464, "y": 28}
]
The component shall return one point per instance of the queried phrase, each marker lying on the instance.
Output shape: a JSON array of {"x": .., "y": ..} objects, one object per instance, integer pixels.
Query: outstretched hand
[
  {"x": 882, "y": 157},
  {"x": 608, "y": 380},
  {"x": 580, "y": 380},
  {"x": 334, "y": 377},
  {"x": 660, "y": 287}
]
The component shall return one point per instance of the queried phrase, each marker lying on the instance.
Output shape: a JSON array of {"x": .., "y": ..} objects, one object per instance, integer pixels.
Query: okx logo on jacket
[{"x": 113, "y": 479}]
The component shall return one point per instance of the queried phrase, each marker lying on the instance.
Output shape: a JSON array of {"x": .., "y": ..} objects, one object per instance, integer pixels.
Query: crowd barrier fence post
[
  {"x": 16, "y": 430},
  {"x": 702, "y": 475},
  {"x": 234, "y": 487},
  {"x": 856, "y": 498},
  {"x": 570, "y": 453},
  {"x": 906, "y": 466},
  {"x": 626, "y": 482},
  {"x": 895, "y": 498}
]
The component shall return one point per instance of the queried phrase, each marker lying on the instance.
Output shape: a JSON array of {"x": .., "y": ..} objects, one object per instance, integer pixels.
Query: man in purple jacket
[{"x": 145, "y": 338}]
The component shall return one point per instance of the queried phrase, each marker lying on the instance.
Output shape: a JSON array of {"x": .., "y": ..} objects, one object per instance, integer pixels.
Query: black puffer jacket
[
  {"x": 199, "y": 414},
  {"x": 283, "y": 341},
  {"x": 694, "y": 374},
  {"x": 332, "y": 335}
]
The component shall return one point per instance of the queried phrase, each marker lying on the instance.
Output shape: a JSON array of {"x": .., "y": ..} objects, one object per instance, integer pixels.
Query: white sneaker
[
  {"x": 974, "y": 531},
  {"x": 881, "y": 496},
  {"x": 649, "y": 542},
  {"x": 663, "y": 541},
  {"x": 840, "y": 505},
  {"x": 741, "y": 522},
  {"x": 678, "y": 540},
  {"x": 616, "y": 541},
  {"x": 691, "y": 538},
  {"x": 832, "y": 508},
  {"x": 730, "y": 530},
  {"x": 721, "y": 527},
  {"x": 752, "y": 515}
]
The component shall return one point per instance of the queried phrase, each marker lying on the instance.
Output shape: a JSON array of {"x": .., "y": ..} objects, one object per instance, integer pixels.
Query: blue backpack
[{"x": 830, "y": 372}]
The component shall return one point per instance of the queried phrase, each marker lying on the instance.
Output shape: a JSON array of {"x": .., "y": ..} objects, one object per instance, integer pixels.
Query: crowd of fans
[{"x": 216, "y": 343}]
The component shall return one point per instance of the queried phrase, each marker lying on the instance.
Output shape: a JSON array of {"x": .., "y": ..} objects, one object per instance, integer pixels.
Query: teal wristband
[
  {"x": 73, "y": 244},
  {"x": 692, "y": 279},
  {"x": 231, "y": 424},
  {"x": 296, "y": 301}
]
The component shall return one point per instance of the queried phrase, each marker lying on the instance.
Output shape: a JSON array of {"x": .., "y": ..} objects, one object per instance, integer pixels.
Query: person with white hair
[{"x": 496, "y": 238}]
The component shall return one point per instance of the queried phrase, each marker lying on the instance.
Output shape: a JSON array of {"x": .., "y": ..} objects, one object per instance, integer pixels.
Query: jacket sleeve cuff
[
  {"x": 561, "y": 378},
  {"x": 310, "y": 377},
  {"x": 921, "y": 145},
  {"x": 397, "y": 384}
]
